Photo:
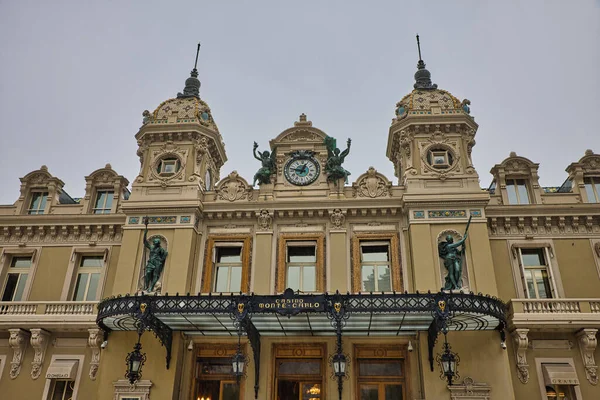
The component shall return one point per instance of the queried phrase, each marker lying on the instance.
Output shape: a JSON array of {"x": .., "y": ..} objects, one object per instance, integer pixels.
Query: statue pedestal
[
  {"x": 336, "y": 189},
  {"x": 265, "y": 192}
]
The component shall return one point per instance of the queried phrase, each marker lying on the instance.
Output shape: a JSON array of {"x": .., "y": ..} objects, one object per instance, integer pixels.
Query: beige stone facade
[{"x": 535, "y": 248}]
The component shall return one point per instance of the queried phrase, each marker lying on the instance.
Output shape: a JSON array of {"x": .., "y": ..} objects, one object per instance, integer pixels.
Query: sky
[{"x": 75, "y": 77}]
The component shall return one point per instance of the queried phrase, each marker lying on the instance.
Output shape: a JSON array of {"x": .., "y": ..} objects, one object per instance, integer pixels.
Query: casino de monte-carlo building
[{"x": 188, "y": 282}]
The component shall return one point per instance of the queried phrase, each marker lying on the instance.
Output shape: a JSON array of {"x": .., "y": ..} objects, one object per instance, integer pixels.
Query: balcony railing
[
  {"x": 559, "y": 312},
  {"x": 47, "y": 313}
]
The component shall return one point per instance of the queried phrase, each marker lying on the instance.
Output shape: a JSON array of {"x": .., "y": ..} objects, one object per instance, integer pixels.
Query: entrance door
[
  {"x": 214, "y": 374},
  {"x": 299, "y": 373},
  {"x": 383, "y": 377}
]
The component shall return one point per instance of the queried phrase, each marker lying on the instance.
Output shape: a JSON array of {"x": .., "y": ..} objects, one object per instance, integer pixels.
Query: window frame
[
  {"x": 88, "y": 271},
  {"x": 514, "y": 247},
  {"x": 2, "y": 364},
  {"x": 77, "y": 253},
  {"x": 300, "y": 265},
  {"x": 6, "y": 256},
  {"x": 595, "y": 188},
  {"x": 45, "y": 193},
  {"x": 526, "y": 184},
  {"x": 49, "y": 381},
  {"x": 395, "y": 265},
  {"x": 539, "y": 362},
  {"x": 106, "y": 210},
  {"x": 546, "y": 255},
  {"x": 210, "y": 265},
  {"x": 381, "y": 354},
  {"x": 167, "y": 160},
  {"x": 281, "y": 271},
  {"x": 212, "y": 350},
  {"x": 376, "y": 264}
]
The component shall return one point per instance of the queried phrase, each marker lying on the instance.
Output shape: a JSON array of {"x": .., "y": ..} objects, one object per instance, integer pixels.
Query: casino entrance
[{"x": 303, "y": 346}]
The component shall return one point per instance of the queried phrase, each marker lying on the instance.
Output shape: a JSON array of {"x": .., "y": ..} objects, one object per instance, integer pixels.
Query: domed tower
[
  {"x": 431, "y": 139},
  {"x": 181, "y": 151}
]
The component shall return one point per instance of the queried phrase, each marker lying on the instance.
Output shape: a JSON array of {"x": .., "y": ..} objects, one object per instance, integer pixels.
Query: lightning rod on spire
[
  {"x": 197, "y": 52},
  {"x": 419, "y": 46}
]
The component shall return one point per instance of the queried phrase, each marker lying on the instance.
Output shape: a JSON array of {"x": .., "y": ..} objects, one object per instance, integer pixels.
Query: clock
[{"x": 302, "y": 168}]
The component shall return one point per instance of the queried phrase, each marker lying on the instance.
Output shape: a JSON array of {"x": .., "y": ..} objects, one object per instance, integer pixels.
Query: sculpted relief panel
[
  {"x": 372, "y": 184},
  {"x": 234, "y": 188}
]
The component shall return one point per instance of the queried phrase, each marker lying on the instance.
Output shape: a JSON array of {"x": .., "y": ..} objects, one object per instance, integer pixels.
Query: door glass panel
[
  {"x": 543, "y": 284},
  {"x": 368, "y": 278},
  {"x": 230, "y": 391},
  {"x": 311, "y": 391},
  {"x": 369, "y": 392},
  {"x": 93, "y": 288},
  {"x": 221, "y": 279},
  {"x": 304, "y": 367},
  {"x": 20, "y": 288},
  {"x": 512, "y": 193},
  {"x": 374, "y": 368},
  {"x": 236, "y": 279},
  {"x": 530, "y": 285},
  {"x": 393, "y": 392},
  {"x": 80, "y": 287},
  {"x": 293, "y": 278},
  {"x": 11, "y": 285}
]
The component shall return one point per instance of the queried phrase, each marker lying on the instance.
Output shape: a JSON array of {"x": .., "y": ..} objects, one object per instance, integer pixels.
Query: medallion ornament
[
  {"x": 233, "y": 188},
  {"x": 337, "y": 218},
  {"x": 372, "y": 184},
  {"x": 265, "y": 220}
]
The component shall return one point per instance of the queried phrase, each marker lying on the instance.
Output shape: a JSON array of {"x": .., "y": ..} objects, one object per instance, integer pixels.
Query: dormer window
[
  {"x": 592, "y": 188},
  {"x": 103, "y": 204},
  {"x": 38, "y": 203},
  {"x": 517, "y": 191},
  {"x": 168, "y": 166}
]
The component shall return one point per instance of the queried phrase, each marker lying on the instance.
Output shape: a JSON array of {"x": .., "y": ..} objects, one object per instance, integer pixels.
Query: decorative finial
[
  {"x": 192, "y": 84},
  {"x": 422, "y": 76},
  {"x": 302, "y": 117}
]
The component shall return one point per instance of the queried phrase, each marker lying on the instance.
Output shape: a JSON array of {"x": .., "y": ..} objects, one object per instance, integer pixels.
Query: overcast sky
[{"x": 75, "y": 77}]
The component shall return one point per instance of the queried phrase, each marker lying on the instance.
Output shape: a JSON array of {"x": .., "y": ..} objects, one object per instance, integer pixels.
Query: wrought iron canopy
[{"x": 293, "y": 314}]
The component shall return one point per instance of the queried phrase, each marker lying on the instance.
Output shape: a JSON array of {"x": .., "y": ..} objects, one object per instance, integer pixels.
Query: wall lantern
[
  {"x": 339, "y": 364},
  {"x": 239, "y": 360},
  {"x": 448, "y": 362},
  {"x": 135, "y": 361}
]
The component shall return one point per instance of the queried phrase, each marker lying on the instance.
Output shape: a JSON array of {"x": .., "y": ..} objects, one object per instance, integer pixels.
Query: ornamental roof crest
[
  {"x": 233, "y": 188},
  {"x": 372, "y": 184}
]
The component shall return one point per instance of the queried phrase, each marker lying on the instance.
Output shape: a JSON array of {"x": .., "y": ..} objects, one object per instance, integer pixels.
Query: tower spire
[
  {"x": 422, "y": 76},
  {"x": 192, "y": 84}
]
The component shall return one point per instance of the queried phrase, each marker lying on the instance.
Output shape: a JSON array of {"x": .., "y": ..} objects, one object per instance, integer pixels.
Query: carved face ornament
[
  {"x": 240, "y": 308},
  {"x": 143, "y": 307},
  {"x": 442, "y": 305},
  {"x": 337, "y": 307}
]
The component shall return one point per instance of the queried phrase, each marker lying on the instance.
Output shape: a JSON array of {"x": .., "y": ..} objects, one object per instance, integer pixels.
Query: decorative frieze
[
  {"x": 61, "y": 234},
  {"x": 469, "y": 389},
  {"x": 94, "y": 341},
  {"x": 39, "y": 342},
  {"x": 543, "y": 225},
  {"x": 18, "y": 342},
  {"x": 139, "y": 390},
  {"x": 587, "y": 347},
  {"x": 521, "y": 343}
]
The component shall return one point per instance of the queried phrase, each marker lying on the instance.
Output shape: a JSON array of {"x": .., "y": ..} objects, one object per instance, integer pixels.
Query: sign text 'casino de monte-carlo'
[{"x": 304, "y": 281}]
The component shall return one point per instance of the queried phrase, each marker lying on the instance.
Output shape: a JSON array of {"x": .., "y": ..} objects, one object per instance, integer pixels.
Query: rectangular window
[
  {"x": 380, "y": 379},
  {"x": 517, "y": 191},
  {"x": 61, "y": 390},
  {"x": 214, "y": 379},
  {"x": 592, "y": 188},
  {"x": 375, "y": 267},
  {"x": 16, "y": 279},
  {"x": 88, "y": 278},
  {"x": 228, "y": 269},
  {"x": 301, "y": 266},
  {"x": 537, "y": 276},
  {"x": 103, "y": 204},
  {"x": 38, "y": 203}
]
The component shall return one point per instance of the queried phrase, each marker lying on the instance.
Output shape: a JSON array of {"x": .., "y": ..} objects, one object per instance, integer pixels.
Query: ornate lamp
[
  {"x": 239, "y": 361},
  {"x": 339, "y": 364},
  {"x": 448, "y": 362},
  {"x": 135, "y": 361}
]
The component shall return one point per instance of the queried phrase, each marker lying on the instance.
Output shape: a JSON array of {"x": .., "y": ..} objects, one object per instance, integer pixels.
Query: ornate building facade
[{"x": 318, "y": 286}]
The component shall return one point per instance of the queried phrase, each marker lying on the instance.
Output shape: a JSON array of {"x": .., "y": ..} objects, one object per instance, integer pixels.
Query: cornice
[
  {"x": 542, "y": 210},
  {"x": 62, "y": 219}
]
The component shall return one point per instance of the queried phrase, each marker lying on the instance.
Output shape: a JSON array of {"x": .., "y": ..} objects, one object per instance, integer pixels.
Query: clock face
[{"x": 302, "y": 171}]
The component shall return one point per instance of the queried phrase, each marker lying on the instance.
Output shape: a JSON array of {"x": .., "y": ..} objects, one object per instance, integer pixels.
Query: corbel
[
  {"x": 587, "y": 347},
  {"x": 39, "y": 342},
  {"x": 521, "y": 224},
  {"x": 94, "y": 341},
  {"x": 561, "y": 224},
  {"x": 589, "y": 221},
  {"x": 42, "y": 231},
  {"x": 18, "y": 342},
  {"x": 575, "y": 224},
  {"x": 53, "y": 231},
  {"x": 64, "y": 231},
  {"x": 494, "y": 224},
  {"x": 6, "y": 232},
  {"x": 18, "y": 231},
  {"x": 548, "y": 224},
  {"x": 76, "y": 232},
  {"x": 521, "y": 343}
]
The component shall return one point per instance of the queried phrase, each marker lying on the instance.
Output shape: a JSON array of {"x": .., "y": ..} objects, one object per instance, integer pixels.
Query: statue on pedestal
[
  {"x": 269, "y": 166},
  {"x": 453, "y": 257},
  {"x": 156, "y": 261}
]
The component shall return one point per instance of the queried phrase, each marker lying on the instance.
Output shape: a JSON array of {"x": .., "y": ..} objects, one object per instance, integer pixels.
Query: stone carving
[
  {"x": 94, "y": 341},
  {"x": 124, "y": 389},
  {"x": 39, "y": 342},
  {"x": 471, "y": 390},
  {"x": 335, "y": 159},
  {"x": 269, "y": 166},
  {"x": 337, "y": 218},
  {"x": 372, "y": 184},
  {"x": 18, "y": 342},
  {"x": 233, "y": 188},
  {"x": 265, "y": 220},
  {"x": 521, "y": 343},
  {"x": 168, "y": 150},
  {"x": 587, "y": 347},
  {"x": 147, "y": 117}
]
